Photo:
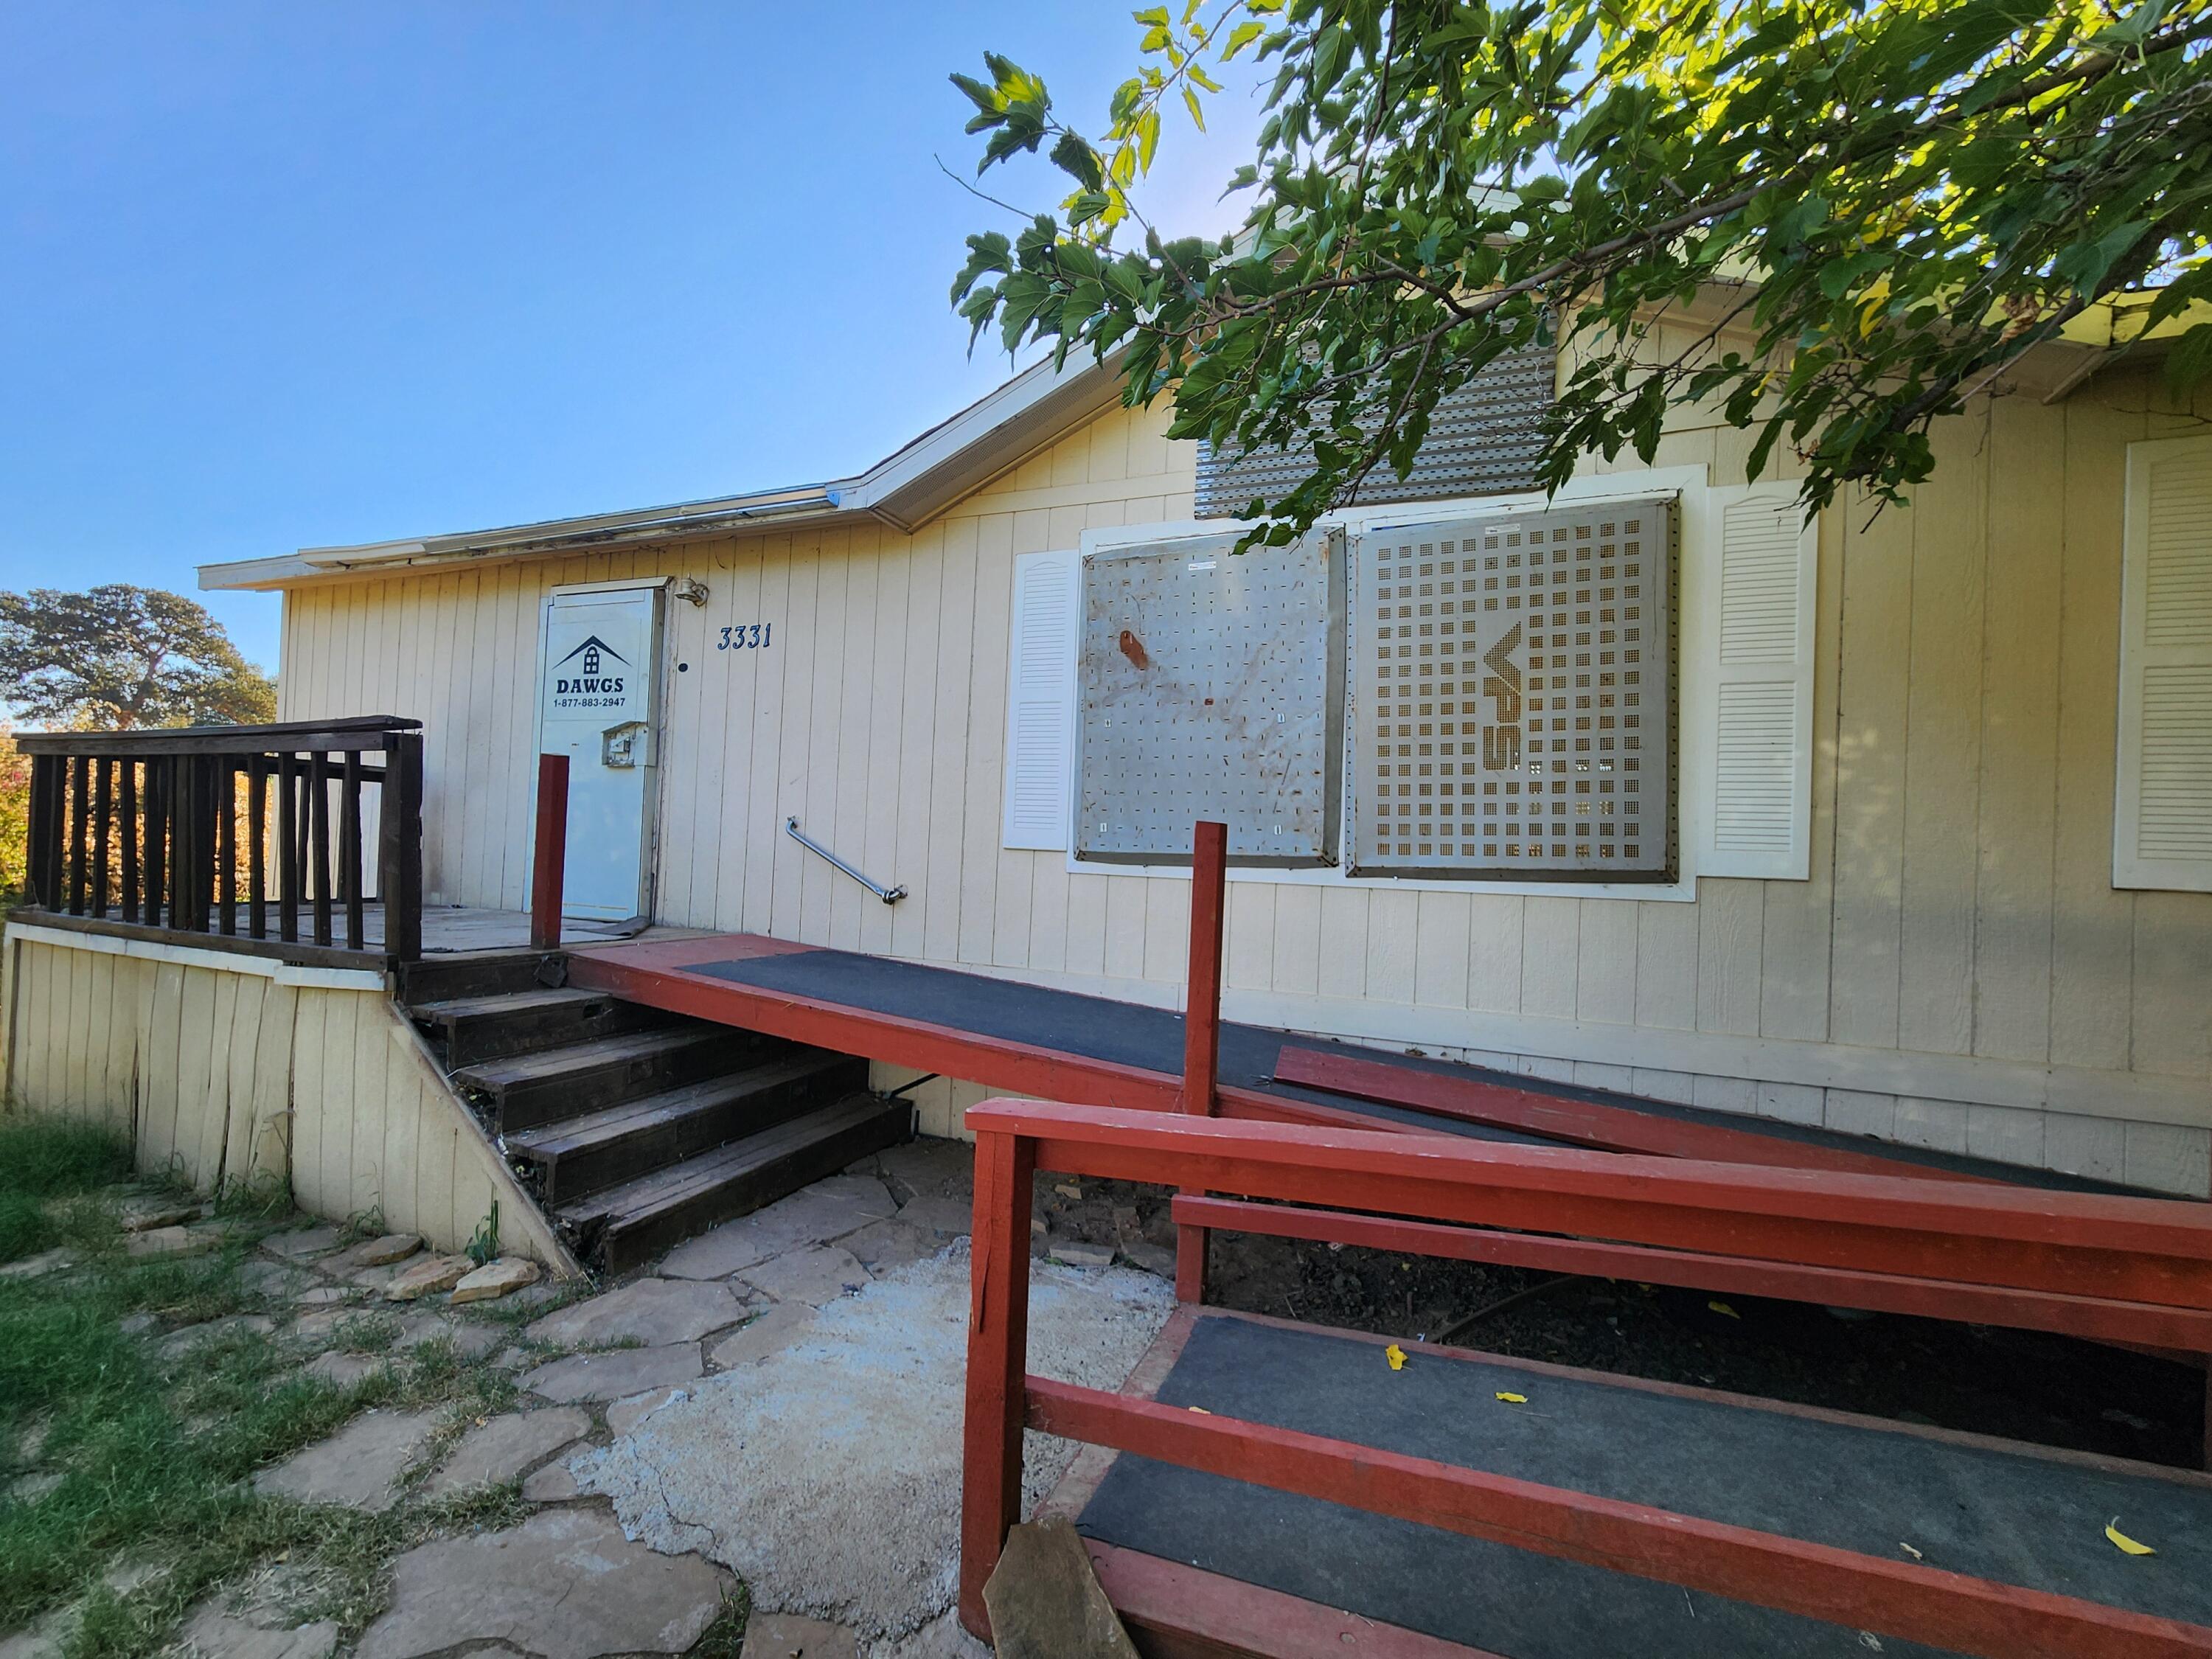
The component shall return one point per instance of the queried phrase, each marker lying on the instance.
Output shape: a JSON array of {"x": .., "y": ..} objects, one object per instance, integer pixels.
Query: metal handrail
[{"x": 888, "y": 894}]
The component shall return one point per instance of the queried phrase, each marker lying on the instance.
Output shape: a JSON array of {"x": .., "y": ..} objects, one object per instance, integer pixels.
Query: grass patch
[
  {"x": 42, "y": 1161},
  {"x": 726, "y": 1638},
  {"x": 156, "y": 1452}
]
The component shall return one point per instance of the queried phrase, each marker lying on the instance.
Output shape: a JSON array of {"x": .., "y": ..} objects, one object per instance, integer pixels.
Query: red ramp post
[
  {"x": 998, "y": 1364},
  {"x": 552, "y": 852},
  {"x": 1202, "y": 1022}
]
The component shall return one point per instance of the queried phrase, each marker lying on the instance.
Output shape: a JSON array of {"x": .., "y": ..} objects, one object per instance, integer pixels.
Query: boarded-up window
[
  {"x": 1040, "y": 700},
  {"x": 1513, "y": 696},
  {"x": 1211, "y": 688},
  {"x": 1758, "y": 587},
  {"x": 1484, "y": 440},
  {"x": 2163, "y": 820}
]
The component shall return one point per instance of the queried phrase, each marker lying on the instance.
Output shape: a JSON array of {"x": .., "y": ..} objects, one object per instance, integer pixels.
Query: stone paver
[
  {"x": 38, "y": 1265},
  {"x": 862, "y": 1191},
  {"x": 355, "y": 1467},
  {"x": 786, "y": 1636},
  {"x": 1076, "y": 1252},
  {"x": 721, "y": 1252},
  {"x": 809, "y": 1216},
  {"x": 342, "y": 1370},
  {"x": 613, "y": 1376},
  {"x": 306, "y": 1241},
  {"x": 814, "y": 1275},
  {"x": 171, "y": 1241},
  {"x": 882, "y": 1245},
  {"x": 495, "y": 1279},
  {"x": 215, "y": 1631},
  {"x": 500, "y": 1449},
  {"x": 326, "y": 1296},
  {"x": 551, "y": 1485},
  {"x": 780, "y": 1325},
  {"x": 274, "y": 1278},
  {"x": 626, "y": 1415},
  {"x": 929, "y": 1166},
  {"x": 146, "y": 1216},
  {"x": 470, "y": 1338},
  {"x": 392, "y": 1246},
  {"x": 940, "y": 1213},
  {"x": 177, "y": 1344},
  {"x": 426, "y": 1277},
  {"x": 657, "y": 1311},
  {"x": 565, "y": 1585}
]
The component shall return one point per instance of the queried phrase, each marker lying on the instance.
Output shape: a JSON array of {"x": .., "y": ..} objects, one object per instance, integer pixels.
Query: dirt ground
[{"x": 2048, "y": 1390}]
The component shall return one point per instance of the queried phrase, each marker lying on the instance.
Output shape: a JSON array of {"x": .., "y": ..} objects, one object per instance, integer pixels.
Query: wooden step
[
  {"x": 580, "y": 1156},
  {"x": 483, "y": 974},
  {"x": 630, "y": 1225},
  {"x": 528, "y": 1090},
  {"x": 480, "y": 1028}
]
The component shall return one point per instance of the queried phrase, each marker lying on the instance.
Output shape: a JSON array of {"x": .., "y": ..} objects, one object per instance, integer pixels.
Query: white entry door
[{"x": 599, "y": 702}]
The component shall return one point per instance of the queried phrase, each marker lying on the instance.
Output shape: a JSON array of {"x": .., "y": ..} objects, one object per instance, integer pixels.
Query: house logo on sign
[{"x": 588, "y": 684}]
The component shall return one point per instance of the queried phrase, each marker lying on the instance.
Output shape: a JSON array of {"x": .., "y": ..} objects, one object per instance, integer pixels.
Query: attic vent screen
[
  {"x": 1482, "y": 441},
  {"x": 1512, "y": 697}
]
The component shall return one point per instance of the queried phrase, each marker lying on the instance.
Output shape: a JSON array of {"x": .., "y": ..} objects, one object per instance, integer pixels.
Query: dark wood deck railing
[{"x": 237, "y": 837}]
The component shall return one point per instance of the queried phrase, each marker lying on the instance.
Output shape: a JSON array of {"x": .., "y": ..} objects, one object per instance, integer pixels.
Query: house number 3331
[{"x": 746, "y": 636}]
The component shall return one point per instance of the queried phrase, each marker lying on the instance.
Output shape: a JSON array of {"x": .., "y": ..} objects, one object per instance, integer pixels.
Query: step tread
[
  {"x": 638, "y": 1202},
  {"x": 551, "y": 1065},
  {"x": 509, "y": 1002},
  {"x": 568, "y": 1136}
]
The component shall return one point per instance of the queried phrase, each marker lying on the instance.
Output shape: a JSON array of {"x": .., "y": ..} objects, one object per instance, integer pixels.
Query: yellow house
[{"x": 1926, "y": 842}]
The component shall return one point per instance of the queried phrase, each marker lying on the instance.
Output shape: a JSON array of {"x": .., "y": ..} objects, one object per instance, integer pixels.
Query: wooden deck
[{"x": 447, "y": 929}]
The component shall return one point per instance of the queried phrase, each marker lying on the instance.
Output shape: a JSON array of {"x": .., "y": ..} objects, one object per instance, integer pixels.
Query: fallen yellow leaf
[
  {"x": 1396, "y": 1356},
  {"x": 1911, "y": 1552},
  {"x": 1722, "y": 1308},
  {"x": 1201, "y": 1410},
  {"x": 2126, "y": 1544},
  {"x": 1513, "y": 1399}
]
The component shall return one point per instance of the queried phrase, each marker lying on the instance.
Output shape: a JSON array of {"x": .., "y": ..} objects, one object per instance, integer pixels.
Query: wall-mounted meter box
[{"x": 1211, "y": 687}]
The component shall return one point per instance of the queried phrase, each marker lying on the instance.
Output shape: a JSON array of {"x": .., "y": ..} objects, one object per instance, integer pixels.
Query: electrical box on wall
[
  {"x": 1211, "y": 687},
  {"x": 1512, "y": 697}
]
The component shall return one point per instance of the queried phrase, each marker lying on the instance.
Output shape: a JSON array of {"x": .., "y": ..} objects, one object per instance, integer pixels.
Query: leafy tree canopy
[
  {"x": 121, "y": 656},
  {"x": 1891, "y": 200}
]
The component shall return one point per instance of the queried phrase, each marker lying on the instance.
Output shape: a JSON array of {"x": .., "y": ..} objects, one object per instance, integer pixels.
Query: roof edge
[{"x": 915, "y": 483}]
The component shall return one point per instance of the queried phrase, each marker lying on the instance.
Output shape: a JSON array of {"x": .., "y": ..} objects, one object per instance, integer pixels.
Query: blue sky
[{"x": 276, "y": 276}]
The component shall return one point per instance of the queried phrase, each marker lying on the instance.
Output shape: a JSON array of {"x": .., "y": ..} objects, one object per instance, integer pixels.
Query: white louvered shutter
[
  {"x": 2162, "y": 816},
  {"x": 1041, "y": 702},
  {"x": 1759, "y": 587}
]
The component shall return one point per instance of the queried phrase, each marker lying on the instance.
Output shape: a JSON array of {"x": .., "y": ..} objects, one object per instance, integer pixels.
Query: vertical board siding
[
  {"x": 1959, "y": 901},
  {"x": 220, "y": 1078}
]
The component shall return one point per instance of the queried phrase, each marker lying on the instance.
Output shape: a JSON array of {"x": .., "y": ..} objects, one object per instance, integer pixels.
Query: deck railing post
[
  {"x": 400, "y": 831},
  {"x": 998, "y": 1362},
  {"x": 126, "y": 809},
  {"x": 80, "y": 816},
  {"x": 1201, "y": 1024},
  {"x": 551, "y": 853},
  {"x": 46, "y": 788}
]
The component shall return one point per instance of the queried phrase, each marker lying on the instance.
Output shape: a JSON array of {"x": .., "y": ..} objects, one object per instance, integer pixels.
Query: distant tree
[
  {"x": 14, "y": 815},
  {"x": 122, "y": 656},
  {"x": 1894, "y": 200}
]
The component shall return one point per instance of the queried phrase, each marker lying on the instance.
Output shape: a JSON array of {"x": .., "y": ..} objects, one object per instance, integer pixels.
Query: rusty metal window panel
[
  {"x": 1512, "y": 703},
  {"x": 1482, "y": 440},
  {"x": 1211, "y": 687}
]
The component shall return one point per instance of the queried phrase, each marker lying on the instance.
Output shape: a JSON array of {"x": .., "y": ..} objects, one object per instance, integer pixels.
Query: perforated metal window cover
[
  {"x": 1211, "y": 687},
  {"x": 1511, "y": 702}
]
